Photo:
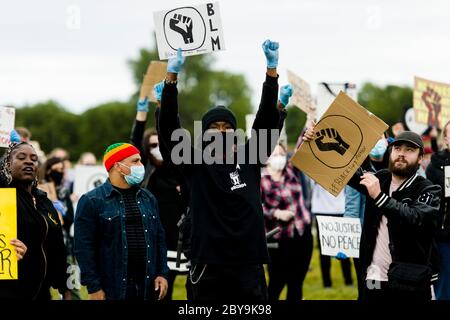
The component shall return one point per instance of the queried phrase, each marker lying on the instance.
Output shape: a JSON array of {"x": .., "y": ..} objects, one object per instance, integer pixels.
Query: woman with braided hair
[{"x": 40, "y": 249}]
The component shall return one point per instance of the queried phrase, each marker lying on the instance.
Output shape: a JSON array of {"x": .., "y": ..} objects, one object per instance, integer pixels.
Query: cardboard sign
[
  {"x": 7, "y": 117},
  {"x": 88, "y": 178},
  {"x": 196, "y": 30},
  {"x": 431, "y": 102},
  {"x": 344, "y": 137},
  {"x": 302, "y": 97},
  {"x": 339, "y": 234},
  {"x": 156, "y": 72},
  {"x": 447, "y": 181},
  {"x": 8, "y": 231},
  {"x": 327, "y": 92}
]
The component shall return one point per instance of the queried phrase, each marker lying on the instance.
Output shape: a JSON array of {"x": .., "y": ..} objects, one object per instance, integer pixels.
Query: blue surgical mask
[
  {"x": 378, "y": 151},
  {"x": 136, "y": 175}
]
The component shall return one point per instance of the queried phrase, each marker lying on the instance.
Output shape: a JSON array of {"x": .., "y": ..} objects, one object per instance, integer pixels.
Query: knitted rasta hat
[{"x": 117, "y": 152}]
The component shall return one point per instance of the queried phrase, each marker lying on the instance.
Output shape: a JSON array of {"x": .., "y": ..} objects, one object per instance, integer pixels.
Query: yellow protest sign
[
  {"x": 156, "y": 72},
  {"x": 344, "y": 137},
  {"x": 8, "y": 231},
  {"x": 431, "y": 102}
]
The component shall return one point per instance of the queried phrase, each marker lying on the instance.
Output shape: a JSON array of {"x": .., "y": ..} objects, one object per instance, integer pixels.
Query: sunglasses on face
[{"x": 153, "y": 145}]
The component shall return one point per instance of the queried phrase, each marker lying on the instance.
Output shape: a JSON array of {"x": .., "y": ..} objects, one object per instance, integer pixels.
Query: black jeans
[
  {"x": 135, "y": 290},
  {"x": 224, "y": 283},
  {"x": 289, "y": 264}
]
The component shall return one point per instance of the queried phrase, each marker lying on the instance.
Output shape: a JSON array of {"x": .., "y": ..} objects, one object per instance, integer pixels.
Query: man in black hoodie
[
  {"x": 436, "y": 173},
  {"x": 228, "y": 245}
]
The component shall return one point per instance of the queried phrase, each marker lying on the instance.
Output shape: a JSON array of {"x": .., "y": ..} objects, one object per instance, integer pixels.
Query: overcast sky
[{"x": 47, "y": 52}]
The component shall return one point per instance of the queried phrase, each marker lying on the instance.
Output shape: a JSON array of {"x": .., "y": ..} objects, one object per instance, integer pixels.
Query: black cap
[
  {"x": 408, "y": 136},
  {"x": 219, "y": 113}
]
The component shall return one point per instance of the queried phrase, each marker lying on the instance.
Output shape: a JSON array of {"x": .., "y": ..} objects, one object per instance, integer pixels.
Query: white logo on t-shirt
[{"x": 236, "y": 180}]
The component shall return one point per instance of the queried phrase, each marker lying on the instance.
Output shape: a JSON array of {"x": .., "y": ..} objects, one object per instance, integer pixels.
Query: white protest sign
[
  {"x": 7, "y": 117},
  {"x": 250, "y": 119},
  {"x": 413, "y": 125},
  {"x": 88, "y": 178},
  {"x": 327, "y": 92},
  {"x": 302, "y": 97},
  {"x": 196, "y": 30},
  {"x": 447, "y": 181},
  {"x": 339, "y": 234}
]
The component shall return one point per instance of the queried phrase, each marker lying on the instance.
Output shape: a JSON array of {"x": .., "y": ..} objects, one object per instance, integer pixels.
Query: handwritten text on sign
[
  {"x": 8, "y": 231},
  {"x": 339, "y": 234},
  {"x": 196, "y": 30}
]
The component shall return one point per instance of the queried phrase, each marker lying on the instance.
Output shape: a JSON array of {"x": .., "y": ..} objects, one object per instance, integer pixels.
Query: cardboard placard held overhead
[
  {"x": 431, "y": 102},
  {"x": 7, "y": 118},
  {"x": 337, "y": 234},
  {"x": 156, "y": 72},
  {"x": 302, "y": 97},
  {"x": 194, "y": 29},
  {"x": 344, "y": 137},
  {"x": 8, "y": 231}
]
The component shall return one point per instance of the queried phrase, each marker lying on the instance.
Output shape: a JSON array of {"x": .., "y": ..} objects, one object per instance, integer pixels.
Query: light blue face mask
[
  {"x": 136, "y": 175},
  {"x": 378, "y": 151}
]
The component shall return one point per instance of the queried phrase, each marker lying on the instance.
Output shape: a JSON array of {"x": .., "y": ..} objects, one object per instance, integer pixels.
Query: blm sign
[{"x": 196, "y": 30}]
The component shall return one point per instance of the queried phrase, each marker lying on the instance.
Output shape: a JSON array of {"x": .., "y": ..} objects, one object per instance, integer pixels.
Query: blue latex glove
[
  {"x": 271, "y": 51},
  {"x": 14, "y": 136},
  {"x": 60, "y": 207},
  {"x": 142, "y": 105},
  {"x": 174, "y": 64},
  {"x": 158, "y": 89},
  {"x": 341, "y": 256},
  {"x": 286, "y": 92}
]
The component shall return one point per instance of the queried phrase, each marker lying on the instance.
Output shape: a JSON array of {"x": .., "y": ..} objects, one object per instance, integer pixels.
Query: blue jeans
[{"x": 442, "y": 286}]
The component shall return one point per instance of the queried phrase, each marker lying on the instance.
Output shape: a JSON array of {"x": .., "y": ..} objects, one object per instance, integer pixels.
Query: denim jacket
[{"x": 101, "y": 242}]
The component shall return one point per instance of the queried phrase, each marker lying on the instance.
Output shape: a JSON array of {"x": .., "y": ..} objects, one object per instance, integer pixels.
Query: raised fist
[
  {"x": 432, "y": 101},
  {"x": 182, "y": 25},
  {"x": 336, "y": 144}
]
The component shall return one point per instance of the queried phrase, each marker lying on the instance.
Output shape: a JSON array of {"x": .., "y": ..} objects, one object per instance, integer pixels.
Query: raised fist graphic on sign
[
  {"x": 330, "y": 140},
  {"x": 183, "y": 25},
  {"x": 432, "y": 100}
]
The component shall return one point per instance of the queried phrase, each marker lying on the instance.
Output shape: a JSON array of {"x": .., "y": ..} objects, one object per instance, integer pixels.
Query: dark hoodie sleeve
[
  {"x": 137, "y": 136},
  {"x": 168, "y": 122},
  {"x": 267, "y": 117}
]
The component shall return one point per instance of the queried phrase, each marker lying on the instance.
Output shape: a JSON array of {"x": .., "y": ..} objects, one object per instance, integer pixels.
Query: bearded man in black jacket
[{"x": 397, "y": 248}]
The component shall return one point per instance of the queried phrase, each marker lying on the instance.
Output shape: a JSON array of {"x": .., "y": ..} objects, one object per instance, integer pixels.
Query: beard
[{"x": 407, "y": 170}]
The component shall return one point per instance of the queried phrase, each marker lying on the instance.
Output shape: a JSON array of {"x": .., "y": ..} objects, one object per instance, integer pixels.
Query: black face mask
[{"x": 56, "y": 176}]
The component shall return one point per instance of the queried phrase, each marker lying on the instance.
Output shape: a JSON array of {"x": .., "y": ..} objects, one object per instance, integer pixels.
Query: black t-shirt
[{"x": 135, "y": 235}]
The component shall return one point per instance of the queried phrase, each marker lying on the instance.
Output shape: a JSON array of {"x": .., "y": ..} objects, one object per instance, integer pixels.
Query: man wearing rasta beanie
[
  {"x": 119, "y": 240},
  {"x": 228, "y": 245}
]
